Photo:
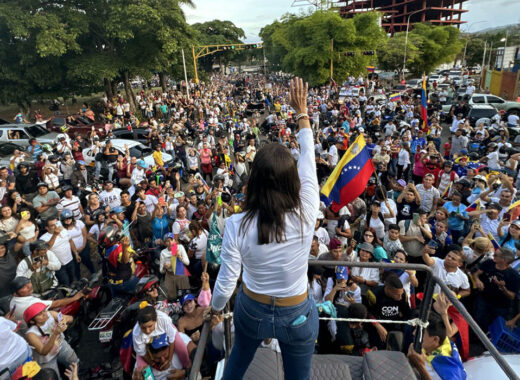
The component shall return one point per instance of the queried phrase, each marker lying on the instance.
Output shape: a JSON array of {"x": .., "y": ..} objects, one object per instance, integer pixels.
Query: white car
[
  {"x": 136, "y": 149},
  {"x": 435, "y": 78}
]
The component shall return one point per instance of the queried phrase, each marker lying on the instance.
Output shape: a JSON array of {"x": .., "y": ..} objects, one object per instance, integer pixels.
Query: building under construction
[{"x": 396, "y": 12}]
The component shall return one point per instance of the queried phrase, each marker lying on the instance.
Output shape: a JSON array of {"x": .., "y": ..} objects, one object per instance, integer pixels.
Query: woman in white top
[
  {"x": 78, "y": 234},
  {"x": 271, "y": 241},
  {"x": 407, "y": 277},
  {"x": 45, "y": 335}
]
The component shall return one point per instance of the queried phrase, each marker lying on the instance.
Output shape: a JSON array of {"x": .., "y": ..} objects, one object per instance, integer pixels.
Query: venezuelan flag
[
  {"x": 350, "y": 176},
  {"x": 424, "y": 104},
  {"x": 125, "y": 352},
  {"x": 493, "y": 241},
  {"x": 395, "y": 97},
  {"x": 371, "y": 69},
  {"x": 515, "y": 210},
  {"x": 178, "y": 267},
  {"x": 475, "y": 206}
]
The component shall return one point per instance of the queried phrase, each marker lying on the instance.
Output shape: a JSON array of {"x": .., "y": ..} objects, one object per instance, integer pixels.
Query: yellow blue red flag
[{"x": 350, "y": 176}]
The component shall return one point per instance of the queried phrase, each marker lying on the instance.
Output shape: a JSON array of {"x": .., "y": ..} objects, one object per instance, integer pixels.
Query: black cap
[
  {"x": 494, "y": 205},
  {"x": 19, "y": 282},
  {"x": 41, "y": 184},
  {"x": 66, "y": 187}
]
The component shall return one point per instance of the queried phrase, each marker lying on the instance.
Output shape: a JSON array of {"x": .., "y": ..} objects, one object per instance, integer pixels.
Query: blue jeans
[
  {"x": 125, "y": 288},
  {"x": 85, "y": 260},
  {"x": 65, "y": 275},
  {"x": 255, "y": 322}
]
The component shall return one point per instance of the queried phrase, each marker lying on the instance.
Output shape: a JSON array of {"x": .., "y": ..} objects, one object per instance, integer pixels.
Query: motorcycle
[{"x": 110, "y": 314}]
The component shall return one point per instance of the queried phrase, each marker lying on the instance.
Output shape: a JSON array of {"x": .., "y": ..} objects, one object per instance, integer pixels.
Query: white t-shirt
[
  {"x": 457, "y": 279},
  {"x": 201, "y": 243},
  {"x": 164, "y": 325},
  {"x": 61, "y": 247},
  {"x": 378, "y": 225},
  {"x": 76, "y": 234},
  {"x": 513, "y": 119},
  {"x": 150, "y": 201},
  {"x": 322, "y": 235},
  {"x": 12, "y": 345},
  {"x": 333, "y": 153},
  {"x": 175, "y": 363},
  {"x": 22, "y": 303},
  {"x": 493, "y": 160},
  {"x": 111, "y": 199},
  {"x": 166, "y": 257},
  {"x": 384, "y": 210},
  {"x": 70, "y": 204}
]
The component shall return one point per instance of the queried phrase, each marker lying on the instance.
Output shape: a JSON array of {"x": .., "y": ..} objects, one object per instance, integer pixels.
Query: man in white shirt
[
  {"x": 447, "y": 270},
  {"x": 457, "y": 121},
  {"x": 41, "y": 260},
  {"x": 149, "y": 200},
  {"x": 111, "y": 196},
  {"x": 70, "y": 202},
  {"x": 61, "y": 244},
  {"x": 470, "y": 89},
  {"x": 23, "y": 297},
  {"x": 429, "y": 194},
  {"x": 512, "y": 119},
  {"x": 333, "y": 153}
]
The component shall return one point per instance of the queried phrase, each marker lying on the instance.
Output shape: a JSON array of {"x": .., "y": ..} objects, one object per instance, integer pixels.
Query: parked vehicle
[
  {"x": 503, "y": 106},
  {"x": 479, "y": 111},
  {"x": 414, "y": 83},
  {"x": 6, "y": 152},
  {"x": 136, "y": 134},
  {"x": 435, "y": 78},
  {"x": 20, "y": 134},
  {"x": 135, "y": 148},
  {"x": 75, "y": 125}
]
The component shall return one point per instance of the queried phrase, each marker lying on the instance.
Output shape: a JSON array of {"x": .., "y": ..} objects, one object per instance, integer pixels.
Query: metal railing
[{"x": 424, "y": 313}]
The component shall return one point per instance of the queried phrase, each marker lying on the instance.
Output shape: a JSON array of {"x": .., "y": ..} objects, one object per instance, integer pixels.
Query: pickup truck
[{"x": 503, "y": 106}]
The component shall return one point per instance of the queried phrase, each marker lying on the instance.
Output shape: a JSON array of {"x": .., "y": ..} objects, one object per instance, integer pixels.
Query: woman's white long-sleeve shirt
[
  {"x": 275, "y": 269},
  {"x": 403, "y": 158}
]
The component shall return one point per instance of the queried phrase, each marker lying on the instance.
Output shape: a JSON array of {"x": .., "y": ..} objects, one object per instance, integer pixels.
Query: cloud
[{"x": 252, "y": 15}]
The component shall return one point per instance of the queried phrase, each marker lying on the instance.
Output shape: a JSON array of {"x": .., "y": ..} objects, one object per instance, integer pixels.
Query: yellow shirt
[{"x": 157, "y": 157}]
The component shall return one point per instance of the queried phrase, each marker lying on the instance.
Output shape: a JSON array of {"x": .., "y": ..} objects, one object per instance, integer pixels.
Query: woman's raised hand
[{"x": 298, "y": 95}]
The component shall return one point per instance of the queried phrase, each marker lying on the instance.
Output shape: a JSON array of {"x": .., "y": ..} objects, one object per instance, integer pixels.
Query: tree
[
  {"x": 436, "y": 45},
  {"x": 67, "y": 48},
  {"x": 217, "y": 32},
  {"x": 391, "y": 55},
  {"x": 305, "y": 45}
]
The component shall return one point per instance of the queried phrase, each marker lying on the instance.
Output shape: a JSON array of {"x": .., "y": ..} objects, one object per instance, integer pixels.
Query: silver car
[{"x": 20, "y": 134}]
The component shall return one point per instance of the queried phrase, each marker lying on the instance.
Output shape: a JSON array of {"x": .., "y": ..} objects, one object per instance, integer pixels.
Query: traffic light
[
  {"x": 368, "y": 52},
  {"x": 350, "y": 54},
  {"x": 232, "y": 47}
]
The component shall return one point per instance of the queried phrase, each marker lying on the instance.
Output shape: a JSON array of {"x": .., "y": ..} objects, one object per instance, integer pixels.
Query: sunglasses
[{"x": 152, "y": 288}]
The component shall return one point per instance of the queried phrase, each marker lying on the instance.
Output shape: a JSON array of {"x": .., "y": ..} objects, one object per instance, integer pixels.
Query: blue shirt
[
  {"x": 160, "y": 227},
  {"x": 36, "y": 150},
  {"x": 454, "y": 223},
  {"x": 417, "y": 142}
]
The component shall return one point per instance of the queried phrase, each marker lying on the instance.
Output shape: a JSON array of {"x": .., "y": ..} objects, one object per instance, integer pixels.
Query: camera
[
  {"x": 38, "y": 259},
  {"x": 225, "y": 197}
]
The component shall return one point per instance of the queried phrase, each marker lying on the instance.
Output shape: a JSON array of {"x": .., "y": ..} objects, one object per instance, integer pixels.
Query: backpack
[{"x": 42, "y": 280}]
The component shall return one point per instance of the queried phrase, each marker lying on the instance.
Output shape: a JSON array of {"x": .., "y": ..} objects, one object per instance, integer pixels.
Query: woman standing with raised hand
[{"x": 271, "y": 241}]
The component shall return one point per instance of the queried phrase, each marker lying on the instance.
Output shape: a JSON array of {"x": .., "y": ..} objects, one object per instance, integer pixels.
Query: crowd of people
[{"x": 432, "y": 200}]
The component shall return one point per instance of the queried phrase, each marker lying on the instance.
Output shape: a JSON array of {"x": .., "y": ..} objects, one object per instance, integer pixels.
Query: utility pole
[
  {"x": 195, "y": 65},
  {"x": 331, "y": 59},
  {"x": 185, "y": 75},
  {"x": 265, "y": 71},
  {"x": 490, "y": 53}
]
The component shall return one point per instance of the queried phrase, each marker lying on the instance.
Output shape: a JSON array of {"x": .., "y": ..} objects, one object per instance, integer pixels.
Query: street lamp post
[
  {"x": 504, "y": 40},
  {"x": 406, "y": 38},
  {"x": 467, "y": 40}
]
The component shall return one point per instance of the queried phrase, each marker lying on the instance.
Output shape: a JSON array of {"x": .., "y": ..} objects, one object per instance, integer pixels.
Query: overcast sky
[{"x": 252, "y": 15}]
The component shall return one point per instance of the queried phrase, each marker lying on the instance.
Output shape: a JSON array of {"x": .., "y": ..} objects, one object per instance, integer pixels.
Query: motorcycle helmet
[
  {"x": 473, "y": 156},
  {"x": 66, "y": 214},
  {"x": 96, "y": 214},
  {"x": 145, "y": 283},
  {"x": 22, "y": 165},
  {"x": 108, "y": 236},
  {"x": 47, "y": 148}
]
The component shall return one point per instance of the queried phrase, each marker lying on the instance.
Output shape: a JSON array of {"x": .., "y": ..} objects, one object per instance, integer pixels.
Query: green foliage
[
  {"x": 68, "y": 48},
  {"x": 218, "y": 32},
  {"x": 437, "y": 45},
  {"x": 391, "y": 55},
  {"x": 302, "y": 45}
]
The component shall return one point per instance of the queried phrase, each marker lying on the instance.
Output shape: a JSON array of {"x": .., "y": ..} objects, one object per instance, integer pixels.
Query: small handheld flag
[
  {"x": 371, "y": 69},
  {"x": 395, "y": 97},
  {"x": 424, "y": 104}
]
